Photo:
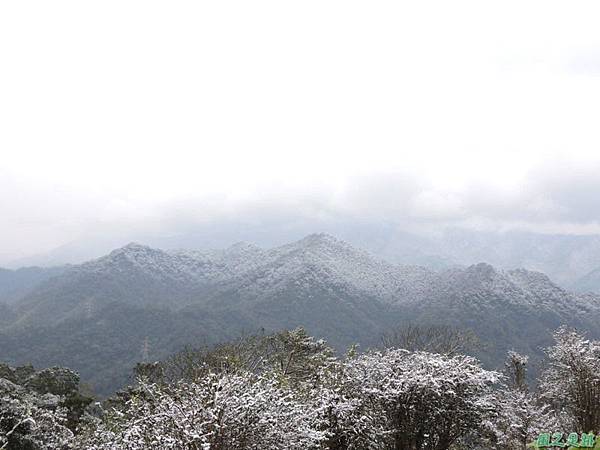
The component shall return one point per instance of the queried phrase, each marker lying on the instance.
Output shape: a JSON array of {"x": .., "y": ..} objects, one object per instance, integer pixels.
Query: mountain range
[
  {"x": 572, "y": 261},
  {"x": 97, "y": 316}
]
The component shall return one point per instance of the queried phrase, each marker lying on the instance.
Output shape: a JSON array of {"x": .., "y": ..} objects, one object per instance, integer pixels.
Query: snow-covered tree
[
  {"x": 31, "y": 421},
  {"x": 288, "y": 391},
  {"x": 293, "y": 355},
  {"x": 521, "y": 415},
  {"x": 297, "y": 356},
  {"x": 424, "y": 400},
  {"x": 341, "y": 412},
  {"x": 571, "y": 382},
  {"x": 219, "y": 412}
]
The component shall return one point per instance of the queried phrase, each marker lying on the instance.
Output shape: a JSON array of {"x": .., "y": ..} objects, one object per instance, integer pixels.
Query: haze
[{"x": 127, "y": 120}]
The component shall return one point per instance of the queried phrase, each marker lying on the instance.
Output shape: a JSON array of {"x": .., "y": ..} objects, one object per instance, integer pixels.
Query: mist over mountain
[
  {"x": 570, "y": 260},
  {"x": 95, "y": 317},
  {"x": 14, "y": 284},
  {"x": 299, "y": 225}
]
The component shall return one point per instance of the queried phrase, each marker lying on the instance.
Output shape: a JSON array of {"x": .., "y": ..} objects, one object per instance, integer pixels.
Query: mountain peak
[
  {"x": 132, "y": 253},
  {"x": 482, "y": 269},
  {"x": 134, "y": 246},
  {"x": 322, "y": 245},
  {"x": 322, "y": 239},
  {"x": 133, "y": 250},
  {"x": 243, "y": 246}
]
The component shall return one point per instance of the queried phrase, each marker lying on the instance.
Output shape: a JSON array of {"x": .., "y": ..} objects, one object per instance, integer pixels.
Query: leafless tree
[
  {"x": 441, "y": 339},
  {"x": 515, "y": 369}
]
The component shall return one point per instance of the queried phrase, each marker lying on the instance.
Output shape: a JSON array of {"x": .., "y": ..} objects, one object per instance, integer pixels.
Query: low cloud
[{"x": 556, "y": 196}]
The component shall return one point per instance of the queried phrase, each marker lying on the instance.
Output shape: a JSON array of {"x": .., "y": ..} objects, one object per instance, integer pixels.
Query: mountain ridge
[
  {"x": 336, "y": 291},
  {"x": 566, "y": 258}
]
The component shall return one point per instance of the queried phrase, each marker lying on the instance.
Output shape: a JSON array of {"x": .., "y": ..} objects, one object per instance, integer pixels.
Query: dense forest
[{"x": 288, "y": 390}]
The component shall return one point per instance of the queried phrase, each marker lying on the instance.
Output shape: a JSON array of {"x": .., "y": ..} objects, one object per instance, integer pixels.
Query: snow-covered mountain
[
  {"x": 241, "y": 274},
  {"x": 508, "y": 309},
  {"x": 134, "y": 275},
  {"x": 103, "y": 310},
  {"x": 322, "y": 260},
  {"x": 566, "y": 258},
  {"x": 482, "y": 285}
]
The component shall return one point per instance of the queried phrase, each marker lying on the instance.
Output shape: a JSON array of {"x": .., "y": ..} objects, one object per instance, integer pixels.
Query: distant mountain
[
  {"x": 324, "y": 260},
  {"x": 75, "y": 252},
  {"x": 15, "y": 284},
  {"x": 96, "y": 316},
  {"x": 514, "y": 309},
  {"x": 7, "y": 315},
  {"x": 590, "y": 282},
  {"x": 135, "y": 275},
  {"x": 564, "y": 258}
]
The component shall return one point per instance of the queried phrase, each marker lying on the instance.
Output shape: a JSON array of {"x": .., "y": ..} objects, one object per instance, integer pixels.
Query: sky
[{"x": 132, "y": 118}]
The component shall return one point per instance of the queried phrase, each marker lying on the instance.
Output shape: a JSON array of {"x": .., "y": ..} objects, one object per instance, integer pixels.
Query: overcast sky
[{"x": 126, "y": 116}]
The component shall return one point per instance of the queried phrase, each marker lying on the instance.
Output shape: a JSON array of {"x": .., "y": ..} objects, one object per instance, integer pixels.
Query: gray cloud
[
  {"x": 554, "y": 192},
  {"x": 554, "y": 196}
]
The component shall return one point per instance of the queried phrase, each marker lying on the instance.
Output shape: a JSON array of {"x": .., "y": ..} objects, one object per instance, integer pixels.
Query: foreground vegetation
[{"x": 289, "y": 391}]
